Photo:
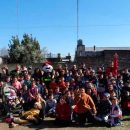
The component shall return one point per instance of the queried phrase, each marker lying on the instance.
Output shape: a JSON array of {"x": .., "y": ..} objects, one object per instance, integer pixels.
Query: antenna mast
[
  {"x": 77, "y": 20},
  {"x": 17, "y": 14}
]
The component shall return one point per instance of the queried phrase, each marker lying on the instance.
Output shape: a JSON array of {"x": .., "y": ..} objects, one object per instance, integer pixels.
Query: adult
[{"x": 85, "y": 107}]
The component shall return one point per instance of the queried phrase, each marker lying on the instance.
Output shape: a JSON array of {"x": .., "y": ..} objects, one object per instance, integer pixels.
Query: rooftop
[{"x": 106, "y": 48}]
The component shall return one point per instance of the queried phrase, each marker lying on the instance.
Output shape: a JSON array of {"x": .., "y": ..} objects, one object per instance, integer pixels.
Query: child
[
  {"x": 31, "y": 115},
  {"x": 63, "y": 113},
  {"x": 115, "y": 113},
  {"x": 50, "y": 106},
  {"x": 103, "y": 109}
]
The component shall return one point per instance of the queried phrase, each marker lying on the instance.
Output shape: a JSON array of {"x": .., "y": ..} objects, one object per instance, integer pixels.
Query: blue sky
[{"x": 104, "y": 23}]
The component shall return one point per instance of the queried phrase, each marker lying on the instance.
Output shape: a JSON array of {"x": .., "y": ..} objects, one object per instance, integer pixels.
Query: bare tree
[{"x": 3, "y": 51}]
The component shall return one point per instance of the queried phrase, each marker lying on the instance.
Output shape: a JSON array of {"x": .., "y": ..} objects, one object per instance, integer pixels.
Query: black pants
[
  {"x": 83, "y": 116},
  {"x": 28, "y": 105},
  {"x": 62, "y": 123}
]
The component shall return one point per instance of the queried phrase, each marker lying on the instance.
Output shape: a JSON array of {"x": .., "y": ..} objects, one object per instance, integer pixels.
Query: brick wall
[{"x": 106, "y": 58}]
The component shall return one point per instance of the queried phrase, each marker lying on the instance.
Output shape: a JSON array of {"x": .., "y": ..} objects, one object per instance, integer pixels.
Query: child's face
[
  {"x": 15, "y": 79},
  {"x": 8, "y": 79},
  {"x": 110, "y": 87},
  {"x": 25, "y": 88},
  {"x": 62, "y": 101},
  {"x": 33, "y": 84},
  {"x": 57, "y": 90},
  {"x": 82, "y": 91},
  {"x": 67, "y": 83},
  {"x": 114, "y": 101},
  {"x": 51, "y": 97},
  {"x": 28, "y": 77}
]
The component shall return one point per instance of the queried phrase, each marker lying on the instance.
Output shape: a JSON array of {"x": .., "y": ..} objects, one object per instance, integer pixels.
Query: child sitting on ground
[
  {"x": 115, "y": 113},
  {"x": 31, "y": 115}
]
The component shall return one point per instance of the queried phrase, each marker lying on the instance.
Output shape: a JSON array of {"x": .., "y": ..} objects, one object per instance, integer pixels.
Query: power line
[{"x": 62, "y": 26}]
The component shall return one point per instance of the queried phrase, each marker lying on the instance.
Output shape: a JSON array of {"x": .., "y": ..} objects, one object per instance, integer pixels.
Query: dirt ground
[{"x": 48, "y": 124}]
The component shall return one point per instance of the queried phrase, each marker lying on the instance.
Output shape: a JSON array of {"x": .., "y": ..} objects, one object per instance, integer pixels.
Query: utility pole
[
  {"x": 17, "y": 14},
  {"x": 77, "y": 20}
]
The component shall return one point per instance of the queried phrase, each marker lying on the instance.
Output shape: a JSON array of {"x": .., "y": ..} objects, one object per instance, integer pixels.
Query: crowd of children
[{"x": 70, "y": 94}]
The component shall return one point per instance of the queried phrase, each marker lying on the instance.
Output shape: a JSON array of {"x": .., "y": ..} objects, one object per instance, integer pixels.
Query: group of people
[{"x": 71, "y": 94}]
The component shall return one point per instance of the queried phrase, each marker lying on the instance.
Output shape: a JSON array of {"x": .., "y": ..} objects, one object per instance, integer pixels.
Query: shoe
[{"x": 11, "y": 126}]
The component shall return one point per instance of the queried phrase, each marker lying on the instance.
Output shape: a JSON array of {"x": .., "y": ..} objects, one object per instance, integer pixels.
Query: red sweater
[
  {"x": 63, "y": 111},
  {"x": 53, "y": 86}
]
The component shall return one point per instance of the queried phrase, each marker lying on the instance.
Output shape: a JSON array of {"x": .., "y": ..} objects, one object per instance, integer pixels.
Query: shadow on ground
[{"x": 50, "y": 124}]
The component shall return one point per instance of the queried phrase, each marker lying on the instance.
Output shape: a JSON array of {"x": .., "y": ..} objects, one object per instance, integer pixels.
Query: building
[
  {"x": 58, "y": 58},
  {"x": 101, "y": 56}
]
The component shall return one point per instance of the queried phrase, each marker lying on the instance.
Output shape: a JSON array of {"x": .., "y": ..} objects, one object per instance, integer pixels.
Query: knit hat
[{"x": 107, "y": 95}]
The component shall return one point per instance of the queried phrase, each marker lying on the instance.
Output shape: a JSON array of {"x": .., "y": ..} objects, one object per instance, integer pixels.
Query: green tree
[
  {"x": 27, "y": 51},
  {"x": 15, "y": 49}
]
